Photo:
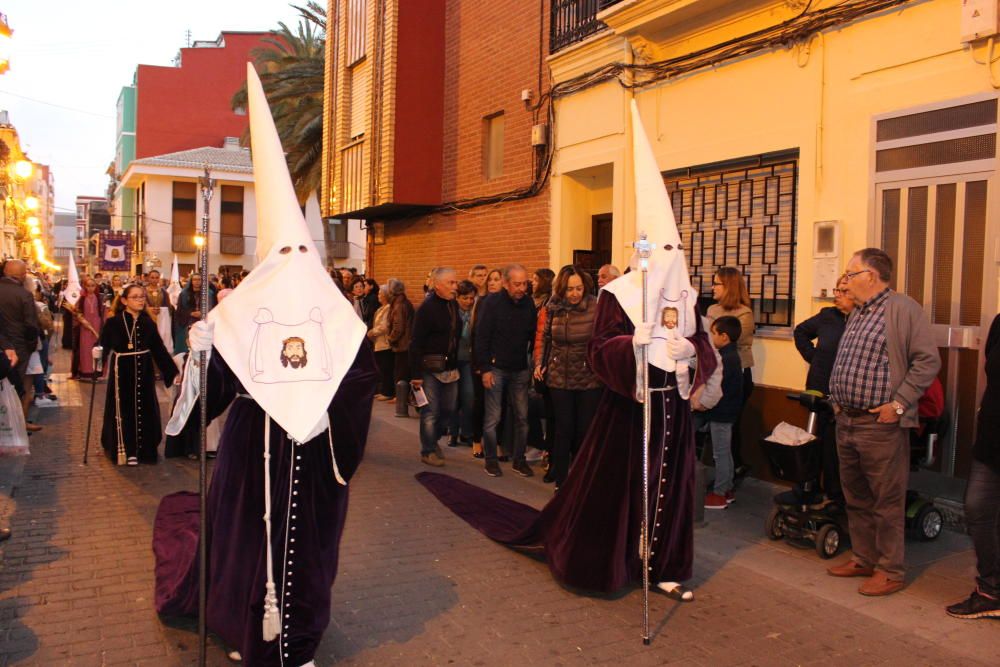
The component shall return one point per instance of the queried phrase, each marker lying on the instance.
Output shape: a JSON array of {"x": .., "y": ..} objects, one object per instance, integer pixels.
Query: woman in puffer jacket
[{"x": 565, "y": 327}]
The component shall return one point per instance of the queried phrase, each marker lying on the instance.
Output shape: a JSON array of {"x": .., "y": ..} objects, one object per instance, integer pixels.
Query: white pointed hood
[
  {"x": 670, "y": 295},
  {"x": 174, "y": 288},
  {"x": 73, "y": 290},
  {"x": 286, "y": 331}
]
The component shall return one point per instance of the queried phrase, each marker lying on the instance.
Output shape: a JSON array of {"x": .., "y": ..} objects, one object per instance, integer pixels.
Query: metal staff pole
[
  {"x": 207, "y": 190},
  {"x": 97, "y": 354},
  {"x": 644, "y": 249}
]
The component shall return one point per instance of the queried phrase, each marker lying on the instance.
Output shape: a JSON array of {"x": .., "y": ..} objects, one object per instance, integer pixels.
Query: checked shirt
[{"x": 860, "y": 377}]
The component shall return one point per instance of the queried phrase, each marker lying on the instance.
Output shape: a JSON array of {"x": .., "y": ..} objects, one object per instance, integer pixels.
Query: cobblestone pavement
[{"x": 417, "y": 586}]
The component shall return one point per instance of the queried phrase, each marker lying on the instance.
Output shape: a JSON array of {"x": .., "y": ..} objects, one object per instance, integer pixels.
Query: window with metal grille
[
  {"x": 742, "y": 213},
  {"x": 356, "y": 30}
]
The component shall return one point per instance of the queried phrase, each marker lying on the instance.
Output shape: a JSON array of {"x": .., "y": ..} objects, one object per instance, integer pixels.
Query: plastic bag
[
  {"x": 13, "y": 434},
  {"x": 787, "y": 434},
  {"x": 34, "y": 365}
]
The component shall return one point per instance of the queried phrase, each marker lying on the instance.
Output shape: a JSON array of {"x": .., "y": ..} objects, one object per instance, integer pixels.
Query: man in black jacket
[
  {"x": 505, "y": 331},
  {"x": 19, "y": 329},
  {"x": 434, "y": 360}
]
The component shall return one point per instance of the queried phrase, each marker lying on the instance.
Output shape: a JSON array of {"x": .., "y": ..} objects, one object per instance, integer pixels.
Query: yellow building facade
[{"x": 791, "y": 134}]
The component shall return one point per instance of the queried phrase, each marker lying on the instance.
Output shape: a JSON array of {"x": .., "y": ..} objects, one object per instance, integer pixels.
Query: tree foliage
[{"x": 291, "y": 67}]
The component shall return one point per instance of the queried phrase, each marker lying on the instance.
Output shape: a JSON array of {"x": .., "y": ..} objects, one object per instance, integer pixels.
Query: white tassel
[{"x": 272, "y": 619}]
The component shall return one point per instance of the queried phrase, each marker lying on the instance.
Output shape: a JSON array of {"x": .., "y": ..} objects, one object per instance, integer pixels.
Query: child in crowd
[{"x": 725, "y": 331}]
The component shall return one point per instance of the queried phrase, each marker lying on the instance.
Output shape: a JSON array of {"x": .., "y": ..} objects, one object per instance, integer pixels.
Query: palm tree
[{"x": 291, "y": 69}]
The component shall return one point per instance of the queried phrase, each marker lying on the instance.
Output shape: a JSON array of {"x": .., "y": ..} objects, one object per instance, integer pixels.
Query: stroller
[{"x": 824, "y": 524}]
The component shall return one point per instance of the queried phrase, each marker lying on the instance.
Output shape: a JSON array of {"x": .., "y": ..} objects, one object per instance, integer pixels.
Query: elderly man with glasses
[{"x": 886, "y": 360}]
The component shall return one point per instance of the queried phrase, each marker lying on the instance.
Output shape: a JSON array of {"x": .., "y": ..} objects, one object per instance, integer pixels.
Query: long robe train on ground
[
  {"x": 132, "y": 409},
  {"x": 307, "y": 513},
  {"x": 589, "y": 531}
]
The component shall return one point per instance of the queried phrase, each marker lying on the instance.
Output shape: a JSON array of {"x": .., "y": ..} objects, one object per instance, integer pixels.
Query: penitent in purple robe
[
  {"x": 589, "y": 531},
  {"x": 307, "y": 518}
]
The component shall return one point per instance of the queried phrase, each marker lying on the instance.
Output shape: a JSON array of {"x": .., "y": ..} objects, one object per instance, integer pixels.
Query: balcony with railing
[
  {"x": 183, "y": 243},
  {"x": 575, "y": 20},
  {"x": 231, "y": 244}
]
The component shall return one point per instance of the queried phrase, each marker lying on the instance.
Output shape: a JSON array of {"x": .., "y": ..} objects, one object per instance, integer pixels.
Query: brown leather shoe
[
  {"x": 880, "y": 584},
  {"x": 850, "y": 569}
]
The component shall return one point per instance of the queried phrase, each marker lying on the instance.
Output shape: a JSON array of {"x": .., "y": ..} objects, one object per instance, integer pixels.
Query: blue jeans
[
  {"x": 434, "y": 416},
  {"x": 461, "y": 418},
  {"x": 516, "y": 383},
  {"x": 40, "y": 380},
  {"x": 722, "y": 436}
]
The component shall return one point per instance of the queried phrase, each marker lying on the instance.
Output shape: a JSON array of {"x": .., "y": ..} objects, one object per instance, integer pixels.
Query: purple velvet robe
[
  {"x": 308, "y": 509},
  {"x": 589, "y": 531}
]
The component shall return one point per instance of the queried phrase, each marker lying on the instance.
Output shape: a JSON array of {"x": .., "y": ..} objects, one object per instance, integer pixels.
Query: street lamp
[
  {"x": 23, "y": 169},
  {"x": 31, "y": 203},
  {"x": 32, "y": 222}
]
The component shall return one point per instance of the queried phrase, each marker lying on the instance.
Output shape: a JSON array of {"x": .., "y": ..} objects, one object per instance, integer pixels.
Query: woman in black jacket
[{"x": 982, "y": 494}]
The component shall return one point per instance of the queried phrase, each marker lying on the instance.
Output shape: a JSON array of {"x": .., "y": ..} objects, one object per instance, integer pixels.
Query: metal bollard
[{"x": 402, "y": 398}]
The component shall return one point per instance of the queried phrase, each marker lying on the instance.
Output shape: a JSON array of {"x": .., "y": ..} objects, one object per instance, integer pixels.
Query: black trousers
[
  {"x": 401, "y": 366},
  {"x": 737, "y": 440},
  {"x": 386, "y": 363},
  {"x": 573, "y": 411},
  {"x": 982, "y": 514}
]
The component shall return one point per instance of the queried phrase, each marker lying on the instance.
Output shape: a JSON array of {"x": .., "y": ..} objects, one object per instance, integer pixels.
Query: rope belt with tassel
[{"x": 118, "y": 404}]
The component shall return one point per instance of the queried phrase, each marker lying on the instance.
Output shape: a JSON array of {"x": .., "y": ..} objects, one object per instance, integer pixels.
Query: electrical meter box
[
  {"x": 979, "y": 19},
  {"x": 826, "y": 258}
]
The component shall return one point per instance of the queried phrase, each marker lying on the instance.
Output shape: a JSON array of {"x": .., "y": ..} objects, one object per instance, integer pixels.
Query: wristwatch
[{"x": 898, "y": 407}]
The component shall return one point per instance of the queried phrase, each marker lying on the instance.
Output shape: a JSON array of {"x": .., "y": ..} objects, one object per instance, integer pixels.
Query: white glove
[
  {"x": 643, "y": 334},
  {"x": 202, "y": 335},
  {"x": 680, "y": 348}
]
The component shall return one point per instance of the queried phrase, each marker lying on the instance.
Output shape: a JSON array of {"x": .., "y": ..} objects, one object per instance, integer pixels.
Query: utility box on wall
[
  {"x": 979, "y": 19},
  {"x": 826, "y": 258}
]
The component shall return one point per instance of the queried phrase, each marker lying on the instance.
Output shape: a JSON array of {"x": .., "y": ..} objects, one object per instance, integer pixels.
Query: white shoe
[
  {"x": 235, "y": 656},
  {"x": 533, "y": 454},
  {"x": 676, "y": 591}
]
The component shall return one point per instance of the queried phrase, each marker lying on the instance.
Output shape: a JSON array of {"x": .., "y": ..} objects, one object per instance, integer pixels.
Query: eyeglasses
[
  {"x": 839, "y": 292},
  {"x": 716, "y": 283},
  {"x": 851, "y": 274},
  {"x": 137, "y": 296}
]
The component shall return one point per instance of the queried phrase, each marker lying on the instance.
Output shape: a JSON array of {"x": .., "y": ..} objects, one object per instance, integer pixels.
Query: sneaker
[
  {"x": 522, "y": 468},
  {"x": 453, "y": 442},
  {"x": 730, "y": 497},
  {"x": 44, "y": 401},
  {"x": 493, "y": 469},
  {"x": 432, "y": 459},
  {"x": 977, "y": 606},
  {"x": 52, "y": 397},
  {"x": 713, "y": 501},
  {"x": 533, "y": 454}
]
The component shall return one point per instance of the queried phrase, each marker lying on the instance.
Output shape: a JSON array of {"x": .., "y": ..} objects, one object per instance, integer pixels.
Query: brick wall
[{"x": 492, "y": 54}]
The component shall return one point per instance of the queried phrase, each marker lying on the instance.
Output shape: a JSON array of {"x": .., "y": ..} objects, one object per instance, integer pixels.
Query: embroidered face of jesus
[
  {"x": 293, "y": 352},
  {"x": 668, "y": 318}
]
